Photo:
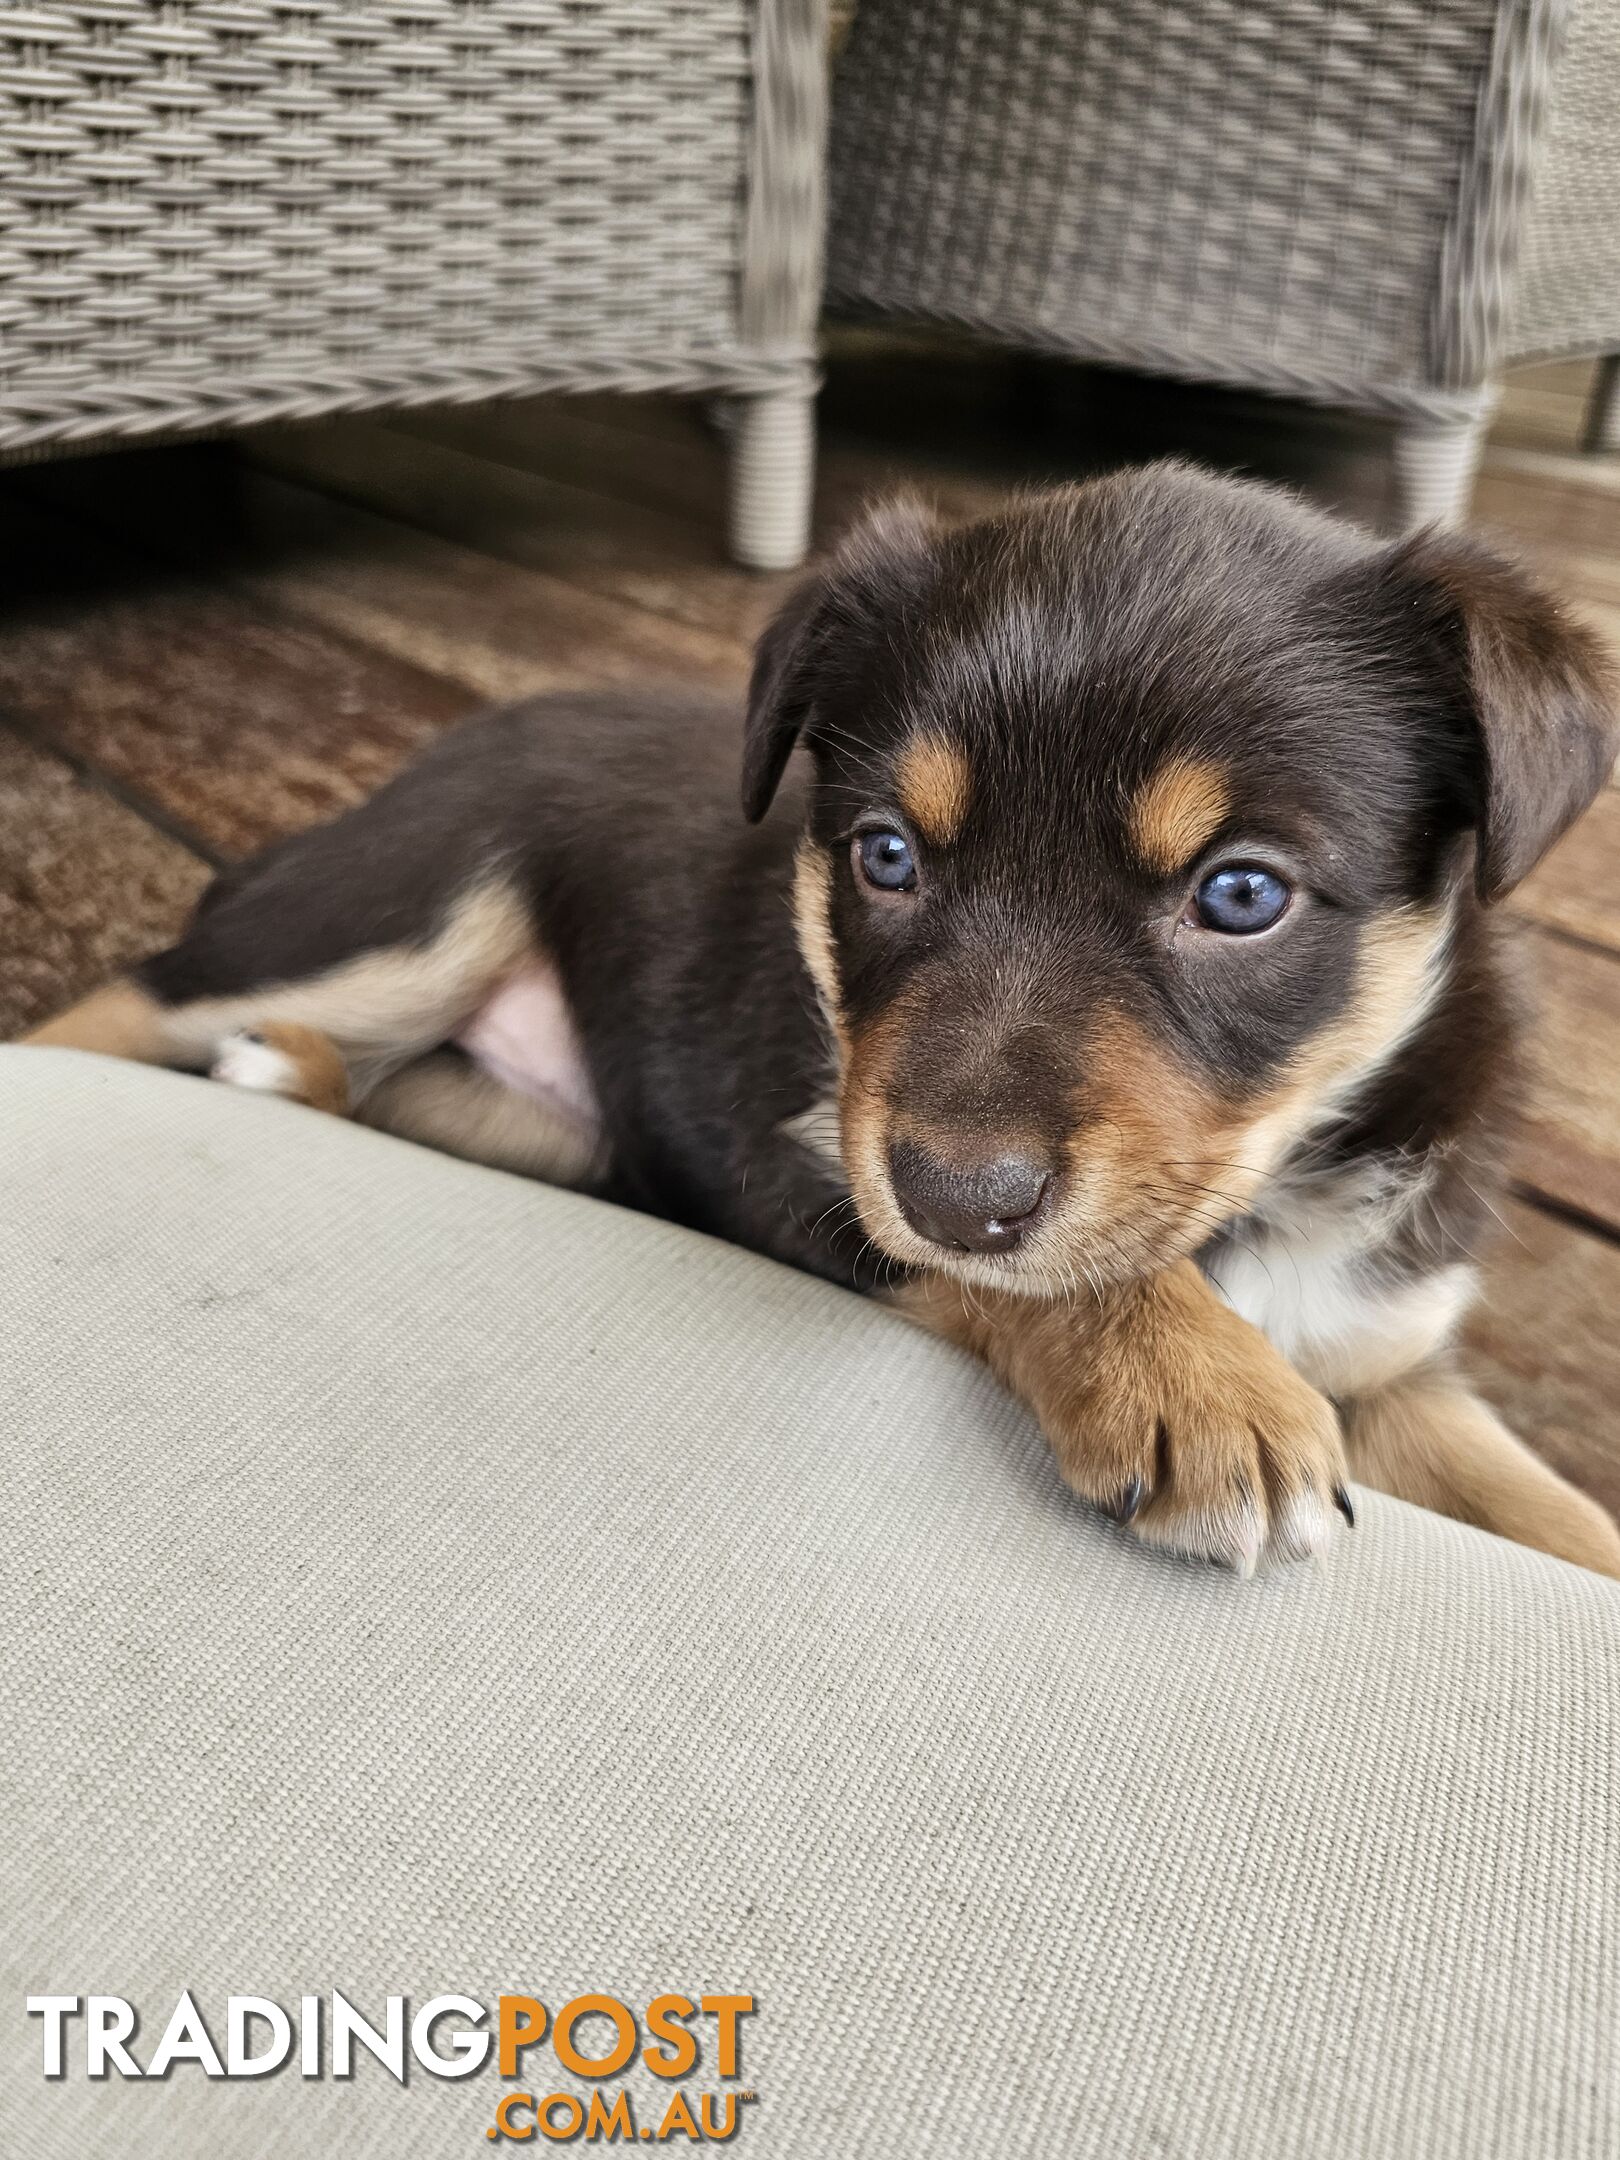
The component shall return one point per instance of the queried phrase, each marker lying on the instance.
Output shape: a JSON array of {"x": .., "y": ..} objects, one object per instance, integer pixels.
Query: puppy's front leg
[
  {"x": 1163, "y": 1408},
  {"x": 1427, "y": 1439}
]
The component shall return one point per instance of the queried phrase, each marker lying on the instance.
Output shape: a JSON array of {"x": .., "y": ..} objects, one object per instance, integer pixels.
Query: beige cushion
[{"x": 417, "y": 1581}]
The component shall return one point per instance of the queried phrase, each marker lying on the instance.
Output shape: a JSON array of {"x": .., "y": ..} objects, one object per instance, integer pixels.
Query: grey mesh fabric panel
[
  {"x": 220, "y": 211},
  {"x": 1326, "y": 198},
  {"x": 416, "y": 1580}
]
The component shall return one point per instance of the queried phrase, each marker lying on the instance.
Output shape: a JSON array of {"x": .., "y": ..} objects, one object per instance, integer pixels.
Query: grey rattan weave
[
  {"x": 1568, "y": 298},
  {"x": 214, "y": 212},
  {"x": 1326, "y": 198}
]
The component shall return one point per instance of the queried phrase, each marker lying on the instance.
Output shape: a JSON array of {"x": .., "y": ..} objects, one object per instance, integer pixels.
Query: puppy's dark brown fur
[{"x": 1255, "y": 1166}]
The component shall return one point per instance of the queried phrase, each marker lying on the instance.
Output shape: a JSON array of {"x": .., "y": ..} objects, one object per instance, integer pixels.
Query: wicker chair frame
[
  {"x": 1377, "y": 204},
  {"x": 220, "y": 212}
]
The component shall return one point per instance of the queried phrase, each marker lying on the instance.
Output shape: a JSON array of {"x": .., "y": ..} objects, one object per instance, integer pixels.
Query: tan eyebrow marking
[
  {"x": 1177, "y": 810},
  {"x": 936, "y": 786}
]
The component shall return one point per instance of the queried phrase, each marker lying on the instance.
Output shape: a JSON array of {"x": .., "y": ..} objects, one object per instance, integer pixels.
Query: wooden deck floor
[{"x": 203, "y": 648}]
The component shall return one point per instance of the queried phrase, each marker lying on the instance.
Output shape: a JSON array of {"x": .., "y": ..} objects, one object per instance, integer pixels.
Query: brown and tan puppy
[{"x": 1116, "y": 986}]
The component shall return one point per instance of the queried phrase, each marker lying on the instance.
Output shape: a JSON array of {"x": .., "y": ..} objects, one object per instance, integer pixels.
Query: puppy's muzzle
[{"x": 981, "y": 1207}]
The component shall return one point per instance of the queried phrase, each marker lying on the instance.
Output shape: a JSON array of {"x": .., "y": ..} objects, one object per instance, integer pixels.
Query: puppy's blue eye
[
  {"x": 885, "y": 860},
  {"x": 1240, "y": 900}
]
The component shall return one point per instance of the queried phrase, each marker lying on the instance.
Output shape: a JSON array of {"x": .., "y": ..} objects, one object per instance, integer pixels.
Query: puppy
[{"x": 1116, "y": 986}]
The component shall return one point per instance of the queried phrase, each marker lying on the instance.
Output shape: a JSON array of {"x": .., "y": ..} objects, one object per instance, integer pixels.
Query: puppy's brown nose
[{"x": 980, "y": 1207}]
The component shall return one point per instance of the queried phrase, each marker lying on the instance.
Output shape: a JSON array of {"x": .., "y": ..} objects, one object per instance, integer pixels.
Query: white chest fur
[{"x": 1306, "y": 1270}]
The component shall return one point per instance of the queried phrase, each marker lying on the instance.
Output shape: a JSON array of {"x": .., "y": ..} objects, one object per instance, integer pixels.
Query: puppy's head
[{"x": 1140, "y": 816}]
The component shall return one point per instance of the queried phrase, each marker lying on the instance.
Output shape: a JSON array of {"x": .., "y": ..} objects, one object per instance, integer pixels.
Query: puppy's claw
[
  {"x": 1344, "y": 1504},
  {"x": 1126, "y": 1502}
]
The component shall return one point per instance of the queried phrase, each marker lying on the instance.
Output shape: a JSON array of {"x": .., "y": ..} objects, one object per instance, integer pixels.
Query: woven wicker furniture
[
  {"x": 1378, "y": 204},
  {"x": 214, "y": 212}
]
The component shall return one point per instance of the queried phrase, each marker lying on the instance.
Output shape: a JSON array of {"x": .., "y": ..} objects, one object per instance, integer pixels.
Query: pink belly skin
[{"x": 524, "y": 1037}]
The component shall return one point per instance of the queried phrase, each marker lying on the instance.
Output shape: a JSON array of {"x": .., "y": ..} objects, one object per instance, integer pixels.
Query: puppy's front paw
[{"x": 1181, "y": 1420}]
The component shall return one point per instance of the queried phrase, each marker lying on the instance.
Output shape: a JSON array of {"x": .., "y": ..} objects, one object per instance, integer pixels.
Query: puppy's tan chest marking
[
  {"x": 935, "y": 782},
  {"x": 1306, "y": 1270},
  {"x": 1178, "y": 811}
]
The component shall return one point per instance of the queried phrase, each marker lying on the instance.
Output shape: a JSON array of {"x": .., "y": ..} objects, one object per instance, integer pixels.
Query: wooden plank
[
  {"x": 86, "y": 886},
  {"x": 1543, "y": 1345},
  {"x": 964, "y": 448},
  {"x": 1566, "y": 505},
  {"x": 679, "y": 468},
  {"x": 237, "y": 721},
  {"x": 1570, "y": 1147},
  {"x": 1577, "y": 888},
  {"x": 502, "y": 630},
  {"x": 1541, "y": 421},
  {"x": 619, "y": 550},
  {"x": 552, "y": 484},
  {"x": 1543, "y": 407}
]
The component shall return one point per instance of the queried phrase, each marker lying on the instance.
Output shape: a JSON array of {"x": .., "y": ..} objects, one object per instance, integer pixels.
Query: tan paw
[
  {"x": 282, "y": 1058},
  {"x": 1182, "y": 1421}
]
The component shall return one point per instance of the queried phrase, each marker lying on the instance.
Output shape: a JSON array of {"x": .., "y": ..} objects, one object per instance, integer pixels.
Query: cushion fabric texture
[{"x": 415, "y": 1580}]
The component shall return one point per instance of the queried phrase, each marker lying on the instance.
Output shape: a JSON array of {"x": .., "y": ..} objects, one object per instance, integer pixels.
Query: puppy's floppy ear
[
  {"x": 1535, "y": 700},
  {"x": 779, "y": 693},
  {"x": 817, "y": 633}
]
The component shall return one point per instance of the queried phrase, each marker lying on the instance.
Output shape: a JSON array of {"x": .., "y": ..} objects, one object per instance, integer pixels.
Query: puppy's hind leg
[
  {"x": 121, "y": 1019},
  {"x": 323, "y": 1020},
  {"x": 447, "y": 1102},
  {"x": 1427, "y": 1439},
  {"x": 381, "y": 1007},
  {"x": 282, "y": 1058},
  {"x": 384, "y": 931}
]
